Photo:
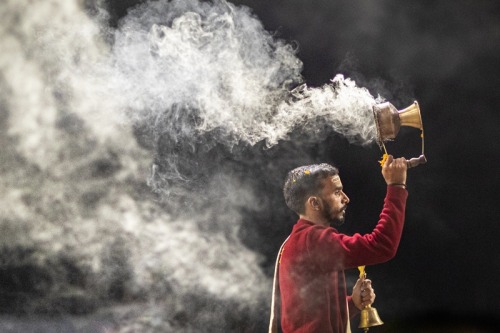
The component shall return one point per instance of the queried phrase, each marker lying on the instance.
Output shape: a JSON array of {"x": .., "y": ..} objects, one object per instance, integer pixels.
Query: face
[{"x": 334, "y": 201}]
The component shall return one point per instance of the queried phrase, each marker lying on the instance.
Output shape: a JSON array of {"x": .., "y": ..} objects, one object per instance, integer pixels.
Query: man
[{"x": 313, "y": 259}]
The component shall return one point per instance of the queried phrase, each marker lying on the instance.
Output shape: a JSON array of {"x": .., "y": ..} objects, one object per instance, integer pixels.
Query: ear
[{"x": 314, "y": 202}]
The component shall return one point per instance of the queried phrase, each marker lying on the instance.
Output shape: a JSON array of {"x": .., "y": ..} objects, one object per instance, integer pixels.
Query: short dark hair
[{"x": 304, "y": 181}]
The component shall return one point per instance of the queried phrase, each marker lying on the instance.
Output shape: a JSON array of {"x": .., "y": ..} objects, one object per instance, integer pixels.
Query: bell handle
[{"x": 416, "y": 161}]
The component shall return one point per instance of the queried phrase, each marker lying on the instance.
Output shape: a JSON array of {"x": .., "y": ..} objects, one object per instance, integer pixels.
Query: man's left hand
[{"x": 363, "y": 294}]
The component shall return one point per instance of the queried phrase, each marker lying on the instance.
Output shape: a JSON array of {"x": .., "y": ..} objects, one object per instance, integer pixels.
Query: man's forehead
[{"x": 336, "y": 181}]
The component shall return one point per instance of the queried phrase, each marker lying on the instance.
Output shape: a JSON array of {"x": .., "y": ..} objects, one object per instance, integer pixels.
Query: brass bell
[{"x": 369, "y": 317}]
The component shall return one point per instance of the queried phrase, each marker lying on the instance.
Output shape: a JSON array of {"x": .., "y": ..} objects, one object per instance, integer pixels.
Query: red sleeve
[{"x": 334, "y": 251}]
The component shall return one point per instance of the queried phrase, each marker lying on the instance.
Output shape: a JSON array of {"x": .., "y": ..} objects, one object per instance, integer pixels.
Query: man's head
[{"x": 316, "y": 192}]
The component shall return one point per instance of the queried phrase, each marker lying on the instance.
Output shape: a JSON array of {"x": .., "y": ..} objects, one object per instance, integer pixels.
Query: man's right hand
[{"x": 394, "y": 170}]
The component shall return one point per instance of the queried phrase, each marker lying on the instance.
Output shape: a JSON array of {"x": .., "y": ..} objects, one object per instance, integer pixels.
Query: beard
[{"x": 334, "y": 217}]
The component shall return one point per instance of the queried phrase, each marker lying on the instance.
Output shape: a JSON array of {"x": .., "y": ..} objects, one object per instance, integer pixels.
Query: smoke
[
  {"x": 175, "y": 95},
  {"x": 217, "y": 63},
  {"x": 194, "y": 75}
]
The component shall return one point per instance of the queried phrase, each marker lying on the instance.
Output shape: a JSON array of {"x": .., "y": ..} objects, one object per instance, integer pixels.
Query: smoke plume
[
  {"x": 217, "y": 63},
  {"x": 173, "y": 95}
]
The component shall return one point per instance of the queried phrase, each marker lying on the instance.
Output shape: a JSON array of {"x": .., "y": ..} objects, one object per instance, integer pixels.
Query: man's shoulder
[
  {"x": 302, "y": 226},
  {"x": 304, "y": 229}
]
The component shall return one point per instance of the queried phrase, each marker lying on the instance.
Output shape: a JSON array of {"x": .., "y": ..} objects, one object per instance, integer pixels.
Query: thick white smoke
[
  {"x": 73, "y": 169},
  {"x": 219, "y": 60},
  {"x": 72, "y": 182}
]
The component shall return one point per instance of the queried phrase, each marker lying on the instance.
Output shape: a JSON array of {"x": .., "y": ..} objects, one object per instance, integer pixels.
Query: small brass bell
[{"x": 369, "y": 316}]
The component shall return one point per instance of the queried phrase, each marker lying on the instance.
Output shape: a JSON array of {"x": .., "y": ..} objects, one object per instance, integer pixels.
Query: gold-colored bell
[
  {"x": 389, "y": 121},
  {"x": 369, "y": 316}
]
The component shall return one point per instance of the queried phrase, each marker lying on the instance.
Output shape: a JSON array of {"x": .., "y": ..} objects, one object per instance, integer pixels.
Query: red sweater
[{"x": 311, "y": 271}]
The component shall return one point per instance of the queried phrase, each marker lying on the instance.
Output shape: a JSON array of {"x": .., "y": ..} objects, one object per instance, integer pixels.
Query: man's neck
[{"x": 314, "y": 219}]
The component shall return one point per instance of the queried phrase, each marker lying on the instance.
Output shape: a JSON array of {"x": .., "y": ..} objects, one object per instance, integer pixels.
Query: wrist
[{"x": 402, "y": 185}]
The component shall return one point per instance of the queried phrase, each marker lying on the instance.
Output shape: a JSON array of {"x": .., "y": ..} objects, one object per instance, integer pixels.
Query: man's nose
[{"x": 345, "y": 199}]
